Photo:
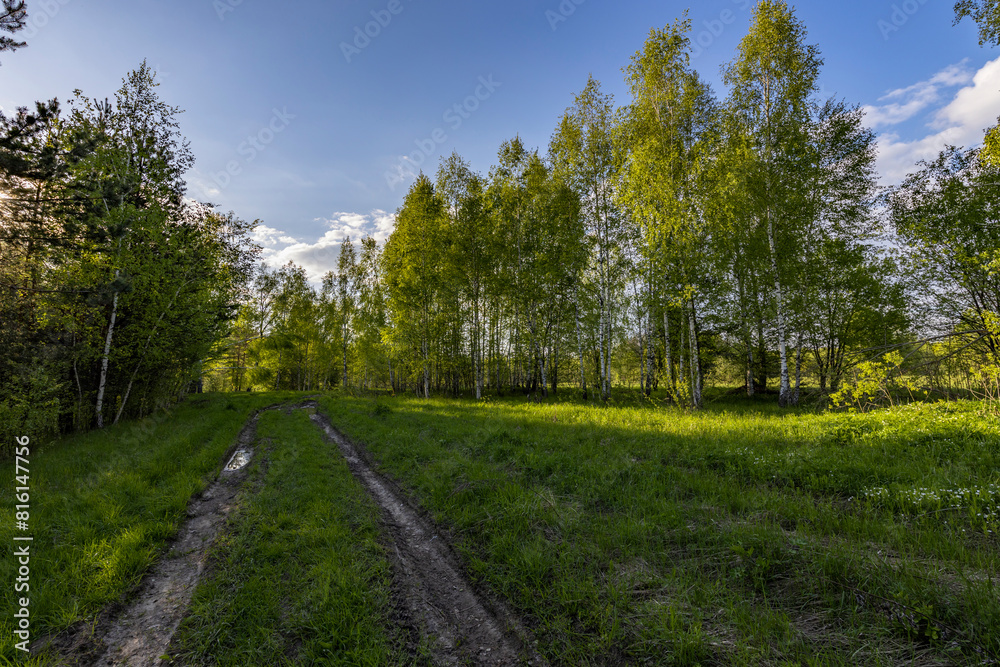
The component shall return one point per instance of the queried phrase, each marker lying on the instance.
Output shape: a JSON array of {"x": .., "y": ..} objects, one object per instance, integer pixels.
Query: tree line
[
  {"x": 680, "y": 236},
  {"x": 650, "y": 244}
]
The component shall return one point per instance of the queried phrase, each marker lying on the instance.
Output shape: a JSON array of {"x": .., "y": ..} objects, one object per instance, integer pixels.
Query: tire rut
[
  {"x": 139, "y": 633},
  {"x": 461, "y": 627}
]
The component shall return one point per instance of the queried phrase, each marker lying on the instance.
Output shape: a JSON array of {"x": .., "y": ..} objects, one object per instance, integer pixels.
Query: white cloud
[
  {"x": 960, "y": 122},
  {"x": 319, "y": 256},
  {"x": 269, "y": 237},
  {"x": 903, "y": 104},
  {"x": 975, "y": 107},
  {"x": 201, "y": 187}
]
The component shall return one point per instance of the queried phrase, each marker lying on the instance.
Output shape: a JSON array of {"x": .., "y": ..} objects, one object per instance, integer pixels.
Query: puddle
[
  {"x": 140, "y": 634},
  {"x": 240, "y": 459}
]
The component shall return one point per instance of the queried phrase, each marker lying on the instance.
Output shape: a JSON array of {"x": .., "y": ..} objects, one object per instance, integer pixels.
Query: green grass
[
  {"x": 299, "y": 576},
  {"x": 739, "y": 535},
  {"x": 629, "y": 534},
  {"x": 104, "y": 503}
]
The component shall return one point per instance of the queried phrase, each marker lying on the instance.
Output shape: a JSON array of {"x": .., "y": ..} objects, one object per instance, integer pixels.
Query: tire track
[
  {"x": 460, "y": 626},
  {"x": 138, "y": 634}
]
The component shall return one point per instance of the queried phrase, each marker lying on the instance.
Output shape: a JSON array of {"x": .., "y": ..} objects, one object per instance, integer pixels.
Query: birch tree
[
  {"x": 371, "y": 312},
  {"x": 772, "y": 83},
  {"x": 472, "y": 244},
  {"x": 583, "y": 150},
  {"x": 412, "y": 260},
  {"x": 135, "y": 180},
  {"x": 667, "y": 145},
  {"x": 946, "y": 213},
  {"x": 347, "y": 273}
]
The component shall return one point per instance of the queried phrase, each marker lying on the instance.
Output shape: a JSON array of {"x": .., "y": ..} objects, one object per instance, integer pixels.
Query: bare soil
[
  {"x": 460, "y": 626},
  {"x": 138, "y": 633}
]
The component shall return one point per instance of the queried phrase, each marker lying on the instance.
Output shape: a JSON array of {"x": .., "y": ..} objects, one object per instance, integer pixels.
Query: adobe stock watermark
[
  {"x": 22, "y": 542},
  {"x": 363, "y": 35},
  {"x": 901, "y": 14},
  {"x": 223, "y": 7},
  {"x": 253, "y": 146},
  {"x": 454, "y": 116},
  {"x": 704, "y": 36},
  {"x": 40, "y": 14},
  {"x": 565, "y": 9}
]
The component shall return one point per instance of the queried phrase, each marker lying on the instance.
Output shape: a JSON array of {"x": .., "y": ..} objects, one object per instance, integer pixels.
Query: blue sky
[{"x": 297, "y": 120}]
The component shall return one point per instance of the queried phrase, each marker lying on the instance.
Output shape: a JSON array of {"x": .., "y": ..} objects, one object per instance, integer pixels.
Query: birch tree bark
[{"x": 99, "y": 407}]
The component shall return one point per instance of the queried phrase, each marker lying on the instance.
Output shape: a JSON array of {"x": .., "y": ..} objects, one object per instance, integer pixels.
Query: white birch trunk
[
  {"x": 345, "y": 353},
  {"x": 579, "y": 342},
  {"x": 545, "y": 378},
  {"x": 746, "y": 332},
  {"x": 681, "y": 351},
  {"x": 555, "y": 366},
  {"x": 600, "y": 343},
  {"x": 610, "y": 341},
  {"x": 650, "y": 352},
  {"x": 784, "y": 396},
  {"x": 477, "y": 350},
  {"x": 104, "y": 360},
  {"x": 696, "y": 379},
  {"x": 668, "y": 356},
  {"x": 798, "y": 371},
  {"x": 427, "y": 372},
  {"x": 642, "y": 358}
]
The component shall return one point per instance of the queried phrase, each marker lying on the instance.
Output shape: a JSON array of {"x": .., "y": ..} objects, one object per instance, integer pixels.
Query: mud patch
[
  {"x": 139, "y": 633},
  {"x": 460, "y": 626}
]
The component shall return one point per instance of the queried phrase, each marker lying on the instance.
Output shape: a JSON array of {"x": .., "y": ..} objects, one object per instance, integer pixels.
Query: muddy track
[
  {"x": 461, "y": 627},
  {"x": 139, "y": 633}
]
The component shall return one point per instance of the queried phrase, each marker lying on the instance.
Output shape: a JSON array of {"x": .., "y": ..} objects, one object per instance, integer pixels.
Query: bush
[
  {"x": 874, "y": 384},
  {"x": 30, "y": 407}
]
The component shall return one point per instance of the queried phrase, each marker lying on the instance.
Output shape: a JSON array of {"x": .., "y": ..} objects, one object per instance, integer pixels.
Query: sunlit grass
[
  {"x": 741, "y": 534},
  {"x": 104, "y": 503},
  {"x": 634, "y": 533}
]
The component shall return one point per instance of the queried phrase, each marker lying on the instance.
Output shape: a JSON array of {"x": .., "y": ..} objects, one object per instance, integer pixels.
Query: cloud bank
[
  {"x": 319, "y": 256},
  {"x": 951, "y": 117}
]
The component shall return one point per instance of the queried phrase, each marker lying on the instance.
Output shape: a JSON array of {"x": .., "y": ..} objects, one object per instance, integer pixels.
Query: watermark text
[
  {"x": 454, "y": 116},
  {"x": 363, "y": 35},
  {"x": 253, "y": 146},
  {"x": 901, "y": 14},
  {"x": 22, "y": 546},
  {"x": 41, "y": 13}
]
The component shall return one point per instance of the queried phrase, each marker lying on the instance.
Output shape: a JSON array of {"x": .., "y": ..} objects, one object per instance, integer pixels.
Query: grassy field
[
  {"x": 739, "y": 535},
  {"x": 633, "y": 533},
  {"x": 104, "y": 503}
]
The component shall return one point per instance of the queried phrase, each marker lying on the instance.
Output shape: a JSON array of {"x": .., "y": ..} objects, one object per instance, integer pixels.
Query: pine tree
[{"x": 13, "y": 17}]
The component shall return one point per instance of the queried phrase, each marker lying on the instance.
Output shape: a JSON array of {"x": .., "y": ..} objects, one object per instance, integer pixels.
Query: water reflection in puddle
[{"x": 240, "y": 459}]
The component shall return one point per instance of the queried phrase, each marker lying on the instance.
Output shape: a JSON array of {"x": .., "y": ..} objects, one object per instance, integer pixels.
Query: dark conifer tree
[{"x": 13, "y": 17}]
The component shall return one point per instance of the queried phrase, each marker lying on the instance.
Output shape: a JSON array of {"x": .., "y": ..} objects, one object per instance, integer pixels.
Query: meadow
[
  {"x": 741, "y": 534},
  {"x": 631, "y": 533}
]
